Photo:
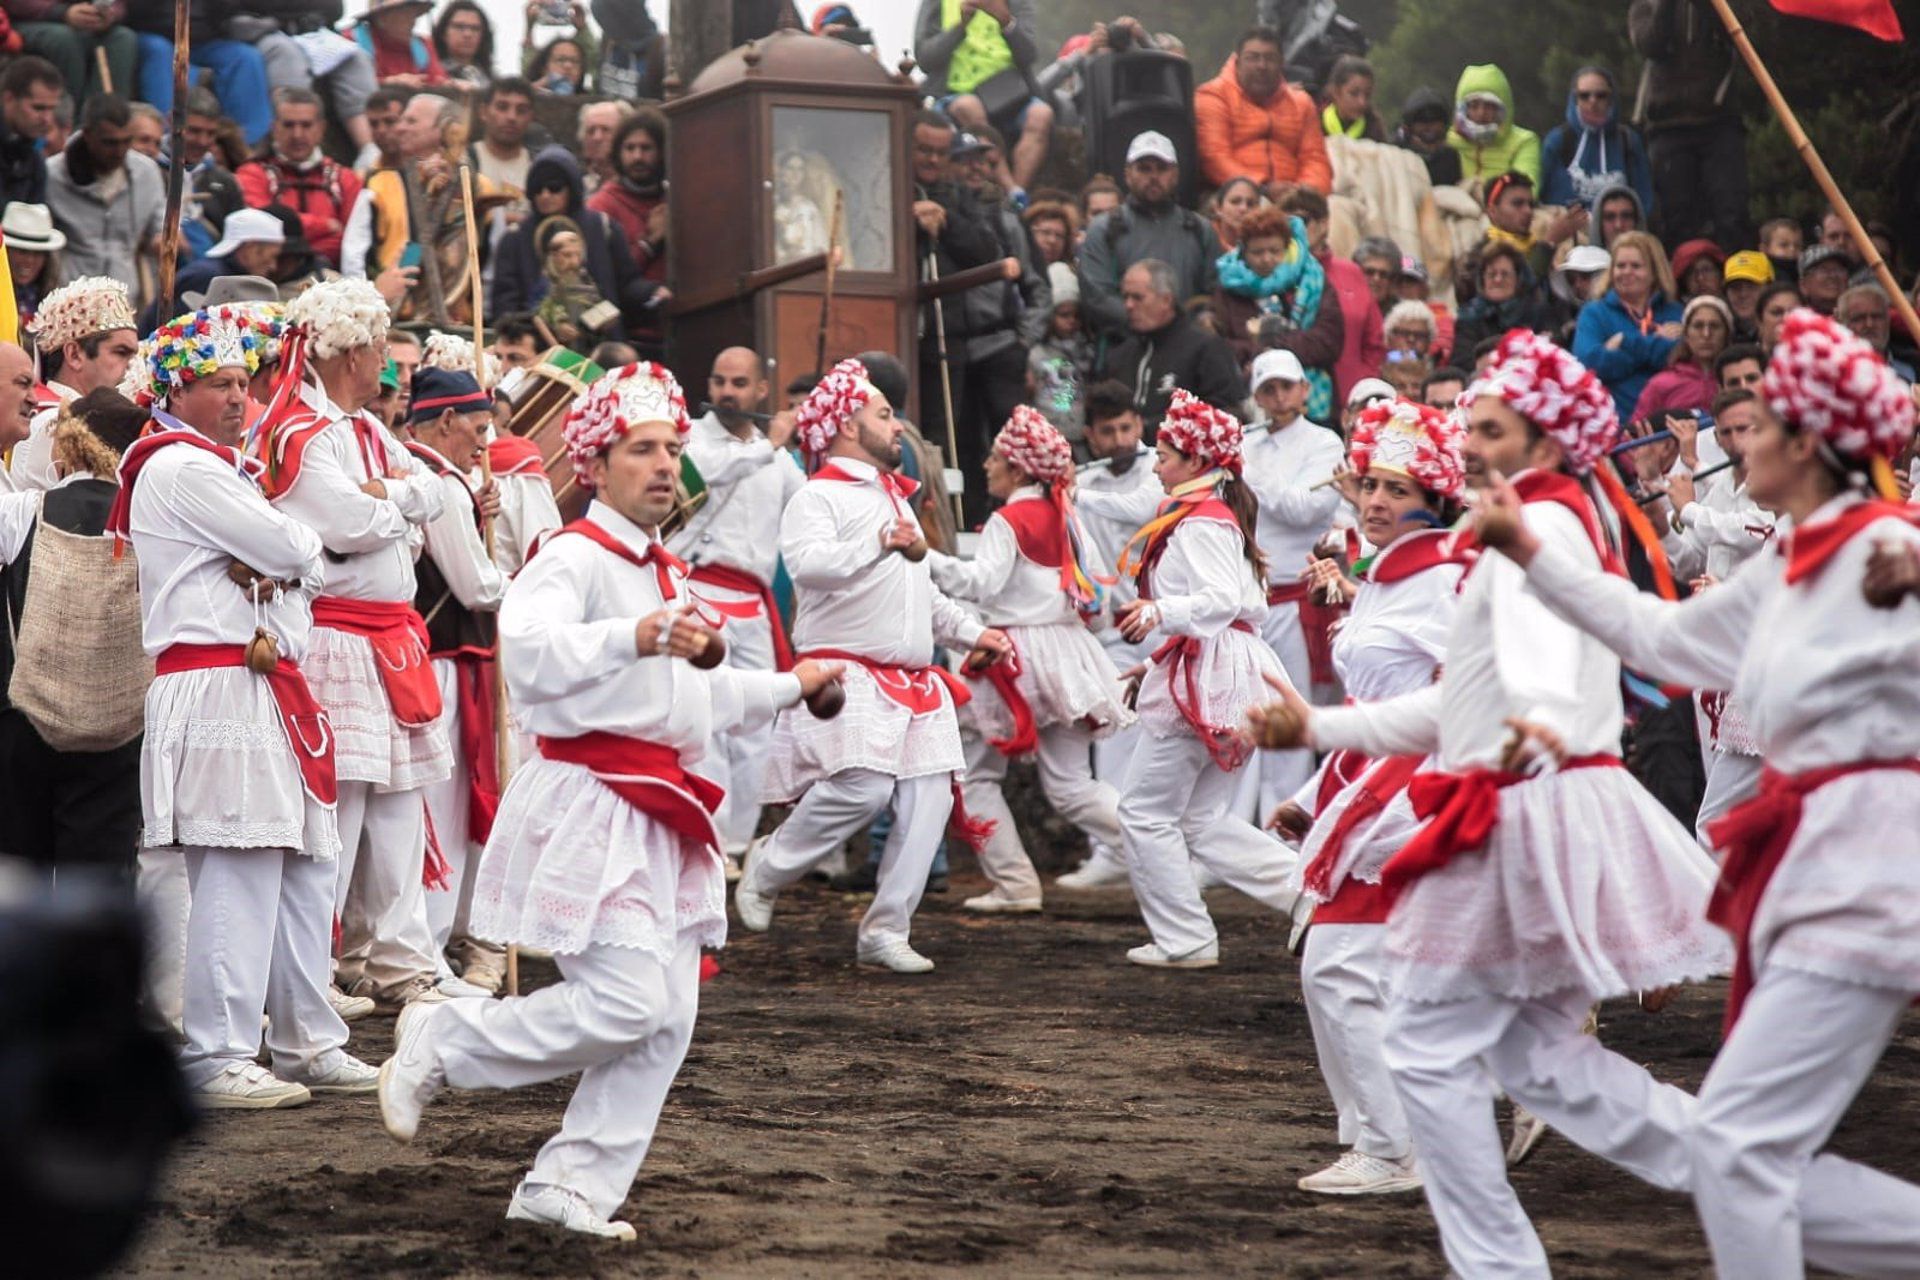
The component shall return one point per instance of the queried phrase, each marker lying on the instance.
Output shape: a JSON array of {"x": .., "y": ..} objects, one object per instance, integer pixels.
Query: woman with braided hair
[
  {"x": 1202, "y": 594},
  {"x": 1820, "y": 643},
  {"x": 1033, "y": 578}
]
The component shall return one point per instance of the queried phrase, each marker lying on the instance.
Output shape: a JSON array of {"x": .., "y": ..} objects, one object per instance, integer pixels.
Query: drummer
[{"x": 732, "y": 542}]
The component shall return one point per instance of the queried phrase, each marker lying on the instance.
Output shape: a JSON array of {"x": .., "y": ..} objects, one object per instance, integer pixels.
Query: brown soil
[{"x": 1035, "y": 1107}]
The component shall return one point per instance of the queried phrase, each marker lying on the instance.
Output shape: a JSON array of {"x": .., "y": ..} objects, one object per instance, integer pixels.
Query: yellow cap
[{"x": 1748, "y": 264}]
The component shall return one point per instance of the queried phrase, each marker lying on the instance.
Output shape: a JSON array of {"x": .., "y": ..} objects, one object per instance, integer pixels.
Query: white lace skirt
[
  {"x": 872, "y": 731},
  {"x": 1585, "y": 883},
  {"x": 216, "y": 769},
  {"x": 1229, "y": 673},
  {"x": 369, "y": 744},
  {"x": 1845, "y": 902},
  {"x": 571, "y": 865},
  {"x": 1065, "y": 676}
]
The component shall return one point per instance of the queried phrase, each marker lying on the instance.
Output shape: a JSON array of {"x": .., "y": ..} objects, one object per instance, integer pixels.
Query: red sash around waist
[
  {"x": 473, "y": 673},
  {"x": 399, "y": 638},
  {"x": 302, "y": 718},
  {"x": 1225, "y": 743},
  {"x": 1004, "y": 676},
  {"x": 647, "y": 776},
  {"x": 1753, "y": 838},
  {"x": 722, "y": 575},
  {"x": 1380, "y": 786},
  {"x": 1461, "y": 810},
  {"x": 1316, "y": 626}
]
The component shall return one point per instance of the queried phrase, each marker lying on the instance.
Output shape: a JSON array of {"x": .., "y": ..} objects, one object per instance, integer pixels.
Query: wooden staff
[
  {"x": 101, "y": 69},
  {"x": 1818, "y": 167},
  {"x": 826, "y": 294},
  {"x": 177, "y": 171},
  {"x": 502, "y": 726}
]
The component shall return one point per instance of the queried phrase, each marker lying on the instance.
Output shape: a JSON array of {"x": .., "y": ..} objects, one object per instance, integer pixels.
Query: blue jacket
[
  {"x": 1626, "y": 368},
  {"x": 1578, "y": 163}
]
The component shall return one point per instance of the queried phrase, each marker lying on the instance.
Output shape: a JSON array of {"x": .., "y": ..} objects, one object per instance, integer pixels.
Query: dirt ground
[{"x": 1035, "y": 1107}]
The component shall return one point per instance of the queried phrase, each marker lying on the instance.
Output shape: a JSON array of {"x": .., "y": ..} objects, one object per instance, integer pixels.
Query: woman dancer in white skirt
[
  {"x": 1532, "y": 891},
  {"x": 1202, "y": 595},
  {"x": 1409, "y": 477},
  {"x": 1057, "y": 694},
  {"x": 1817, "y": 880}
]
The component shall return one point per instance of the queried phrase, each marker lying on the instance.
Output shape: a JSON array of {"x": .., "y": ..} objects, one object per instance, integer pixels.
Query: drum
[{"x": 541, "y": 396}]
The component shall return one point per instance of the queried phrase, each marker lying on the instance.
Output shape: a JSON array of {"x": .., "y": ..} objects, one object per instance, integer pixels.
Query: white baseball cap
[
  {"x": 1586, "y": 258},
  {"x": 1152, "y": 145},
  {"x": 248, "y": 226},
  {"x": 1367, "y": 390},
  {"x": 1277, "y": 363}
]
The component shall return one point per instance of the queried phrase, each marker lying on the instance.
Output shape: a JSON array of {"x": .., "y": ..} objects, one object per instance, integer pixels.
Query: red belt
[
  {"x": 1226, "y": 744},
  {"x": 473, "y": 694},
  {"x": 732, "y": 579},
  {"x": 918, "y": 690},
  {"x": 1753, "y": 837},
  {"x": 1461, "y": 810},
  {"x": 647, "y": 776},
  {"x": 302, "y": 718},
  {"x": 1004, "y": 676},
  {"x": 399, "y": 638},
  {"x": 1316, "y": 626},
  {"x": 1382, "y": 784}
]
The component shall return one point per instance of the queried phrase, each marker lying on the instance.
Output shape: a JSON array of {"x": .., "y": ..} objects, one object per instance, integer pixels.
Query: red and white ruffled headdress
[
  {"x": 1034, "y": 445},
  {"x": 615, "y": 405},
  {"x": 842, "y": 393},
  {"x": 1545, "y": 385},
  {"x": 1822, "y": 378},
  {"x": 1201, "y": 431},
  {"x": 1415, "y": 440}
]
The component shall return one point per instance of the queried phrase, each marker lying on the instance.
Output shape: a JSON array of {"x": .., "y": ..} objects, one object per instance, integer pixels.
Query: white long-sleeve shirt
[
  {"x": 1202, "y": 584},
  {"x": 31, "y": 465},
  {"x": 852, "y": 594},
  {"x": 527, "y": 513},
  {"x": 749, "y": 483},
  {"x": 567, "y": 645},
  {"x": 1396, "y": 633},
  {"x": 1113, "y": 505},
  {"x": 372, "y": 534},
  {"x": 1507, "y": 655},
  {"x": 456, "y": 547},
  {"x": 1011, "y": 590},
  {"x": 1282, "y": 466},
  {"x": 1718, "y": 532},
  {"x": 192, "y": 515},
  {"x": 1822, "y": 677}
]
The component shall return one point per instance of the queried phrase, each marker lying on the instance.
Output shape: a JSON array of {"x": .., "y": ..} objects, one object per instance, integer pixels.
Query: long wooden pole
[
  {"x": 502, "y": 726},
  {"x": 1818, "y": 167},
  {"x": 177, "y": 171}
]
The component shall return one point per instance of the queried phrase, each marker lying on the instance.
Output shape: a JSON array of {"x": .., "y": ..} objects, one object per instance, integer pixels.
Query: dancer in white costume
[
  {"x": 1532, "y": 891},
  {"x": 604, "y": 851},
  {"x": 1409, "y": 479},
  {"x": 1819, "y": 900},
  {"x": 1202, "y": 593},
  {"x": 1058, "y": 693}
]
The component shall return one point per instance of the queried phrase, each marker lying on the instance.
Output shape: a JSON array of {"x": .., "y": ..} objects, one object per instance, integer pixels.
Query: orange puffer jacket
[{"x": 1278, "y": 141}]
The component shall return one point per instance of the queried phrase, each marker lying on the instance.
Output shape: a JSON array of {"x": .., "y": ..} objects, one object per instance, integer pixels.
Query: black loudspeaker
[{"x": 1128, "y": 94}]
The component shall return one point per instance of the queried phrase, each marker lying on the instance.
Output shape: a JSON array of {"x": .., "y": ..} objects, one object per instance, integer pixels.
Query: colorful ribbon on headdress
[
  {"x": 1635, "y": 522},
  {"x": 1080, "y": 576}
]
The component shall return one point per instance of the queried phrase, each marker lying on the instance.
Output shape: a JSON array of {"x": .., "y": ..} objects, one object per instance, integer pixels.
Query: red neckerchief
[
  {"x": 896, "y": 486},
  {"x": 1039, "y": 529},
  {"x": 1556, "y": 487},
  {"x": 1416, "y": 553},
  {"x": 373, "y": 446},
  {"x": 1809, "y": 547},
  {"x": 516, "y": 455},
  {"x": 1208, "y": 508},
  {"x": 120, "y": 515},
  {"x": 663, "y": 562}
]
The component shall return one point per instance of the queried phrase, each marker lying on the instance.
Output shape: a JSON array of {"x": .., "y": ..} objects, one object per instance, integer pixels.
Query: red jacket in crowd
[
  {"x": 1365, "y": 346},
  {"x": 629, "y": 211},
  {"x": 321, "y": 192}
]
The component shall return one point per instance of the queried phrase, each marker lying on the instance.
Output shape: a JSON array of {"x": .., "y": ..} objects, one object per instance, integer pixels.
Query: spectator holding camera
[{"x": 978, "y": 56}]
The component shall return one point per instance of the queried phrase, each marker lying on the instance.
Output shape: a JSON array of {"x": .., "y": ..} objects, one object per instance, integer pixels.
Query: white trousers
[
  {"x": 1175, "y": 805},
  {"x": 1112, "y": 755},
  {"x": 1281, "y": 773},
  {"x": 382, "y": 905},
  {"x": 622, "y": 1020},
  {"x": 735, "y": 759},
  {"x": 1770, "y": 1204},
  {"x": 1731, "y": 778},
  {"x": 833, "y": 809},
  {"x": 161, "y": 889},
  {"x": 257, "y": 942},
  {"x": 1446, "y": 1060},
  {"x": 1347, "y": 1008},
  {"x": 1066, "y": 778},
  {"x": 447, "y": 908}
]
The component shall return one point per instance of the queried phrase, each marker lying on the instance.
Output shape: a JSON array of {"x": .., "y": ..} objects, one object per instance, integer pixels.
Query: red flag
[{"x": 1875, "y": 17}]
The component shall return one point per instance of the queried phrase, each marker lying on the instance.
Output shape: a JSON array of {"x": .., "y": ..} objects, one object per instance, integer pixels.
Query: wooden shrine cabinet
[{"x": 766, "y": 138}]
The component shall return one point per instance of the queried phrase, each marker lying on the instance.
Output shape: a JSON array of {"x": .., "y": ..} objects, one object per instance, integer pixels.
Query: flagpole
[{"x": 1818, "y": 167}]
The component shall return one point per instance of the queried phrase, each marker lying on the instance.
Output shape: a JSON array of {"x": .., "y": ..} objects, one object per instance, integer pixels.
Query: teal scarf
[{"x": 1291, "y": 291}]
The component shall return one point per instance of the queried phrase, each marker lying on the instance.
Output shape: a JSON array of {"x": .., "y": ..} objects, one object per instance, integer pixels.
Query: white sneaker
[
  {"x": 897, "y": 956},
  {"x": 248, "y": 1086},
  {"x": 460, "y": 989},
  {"x": 559, "y": 1207},
  {"x": 1528, "y": 1129},
  {"x": 345, "y": 1074},
  {"x": 993, "y": 904},
  {"x": 350, "y": 1008},
  {"x": 1150, "y": 954},
  {"x": 755, "y": 909},
  {"x": 409, "y": 1079},
  {"x": 1095, "y": 873},
  {"x": 1359, "y": 1174}
]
